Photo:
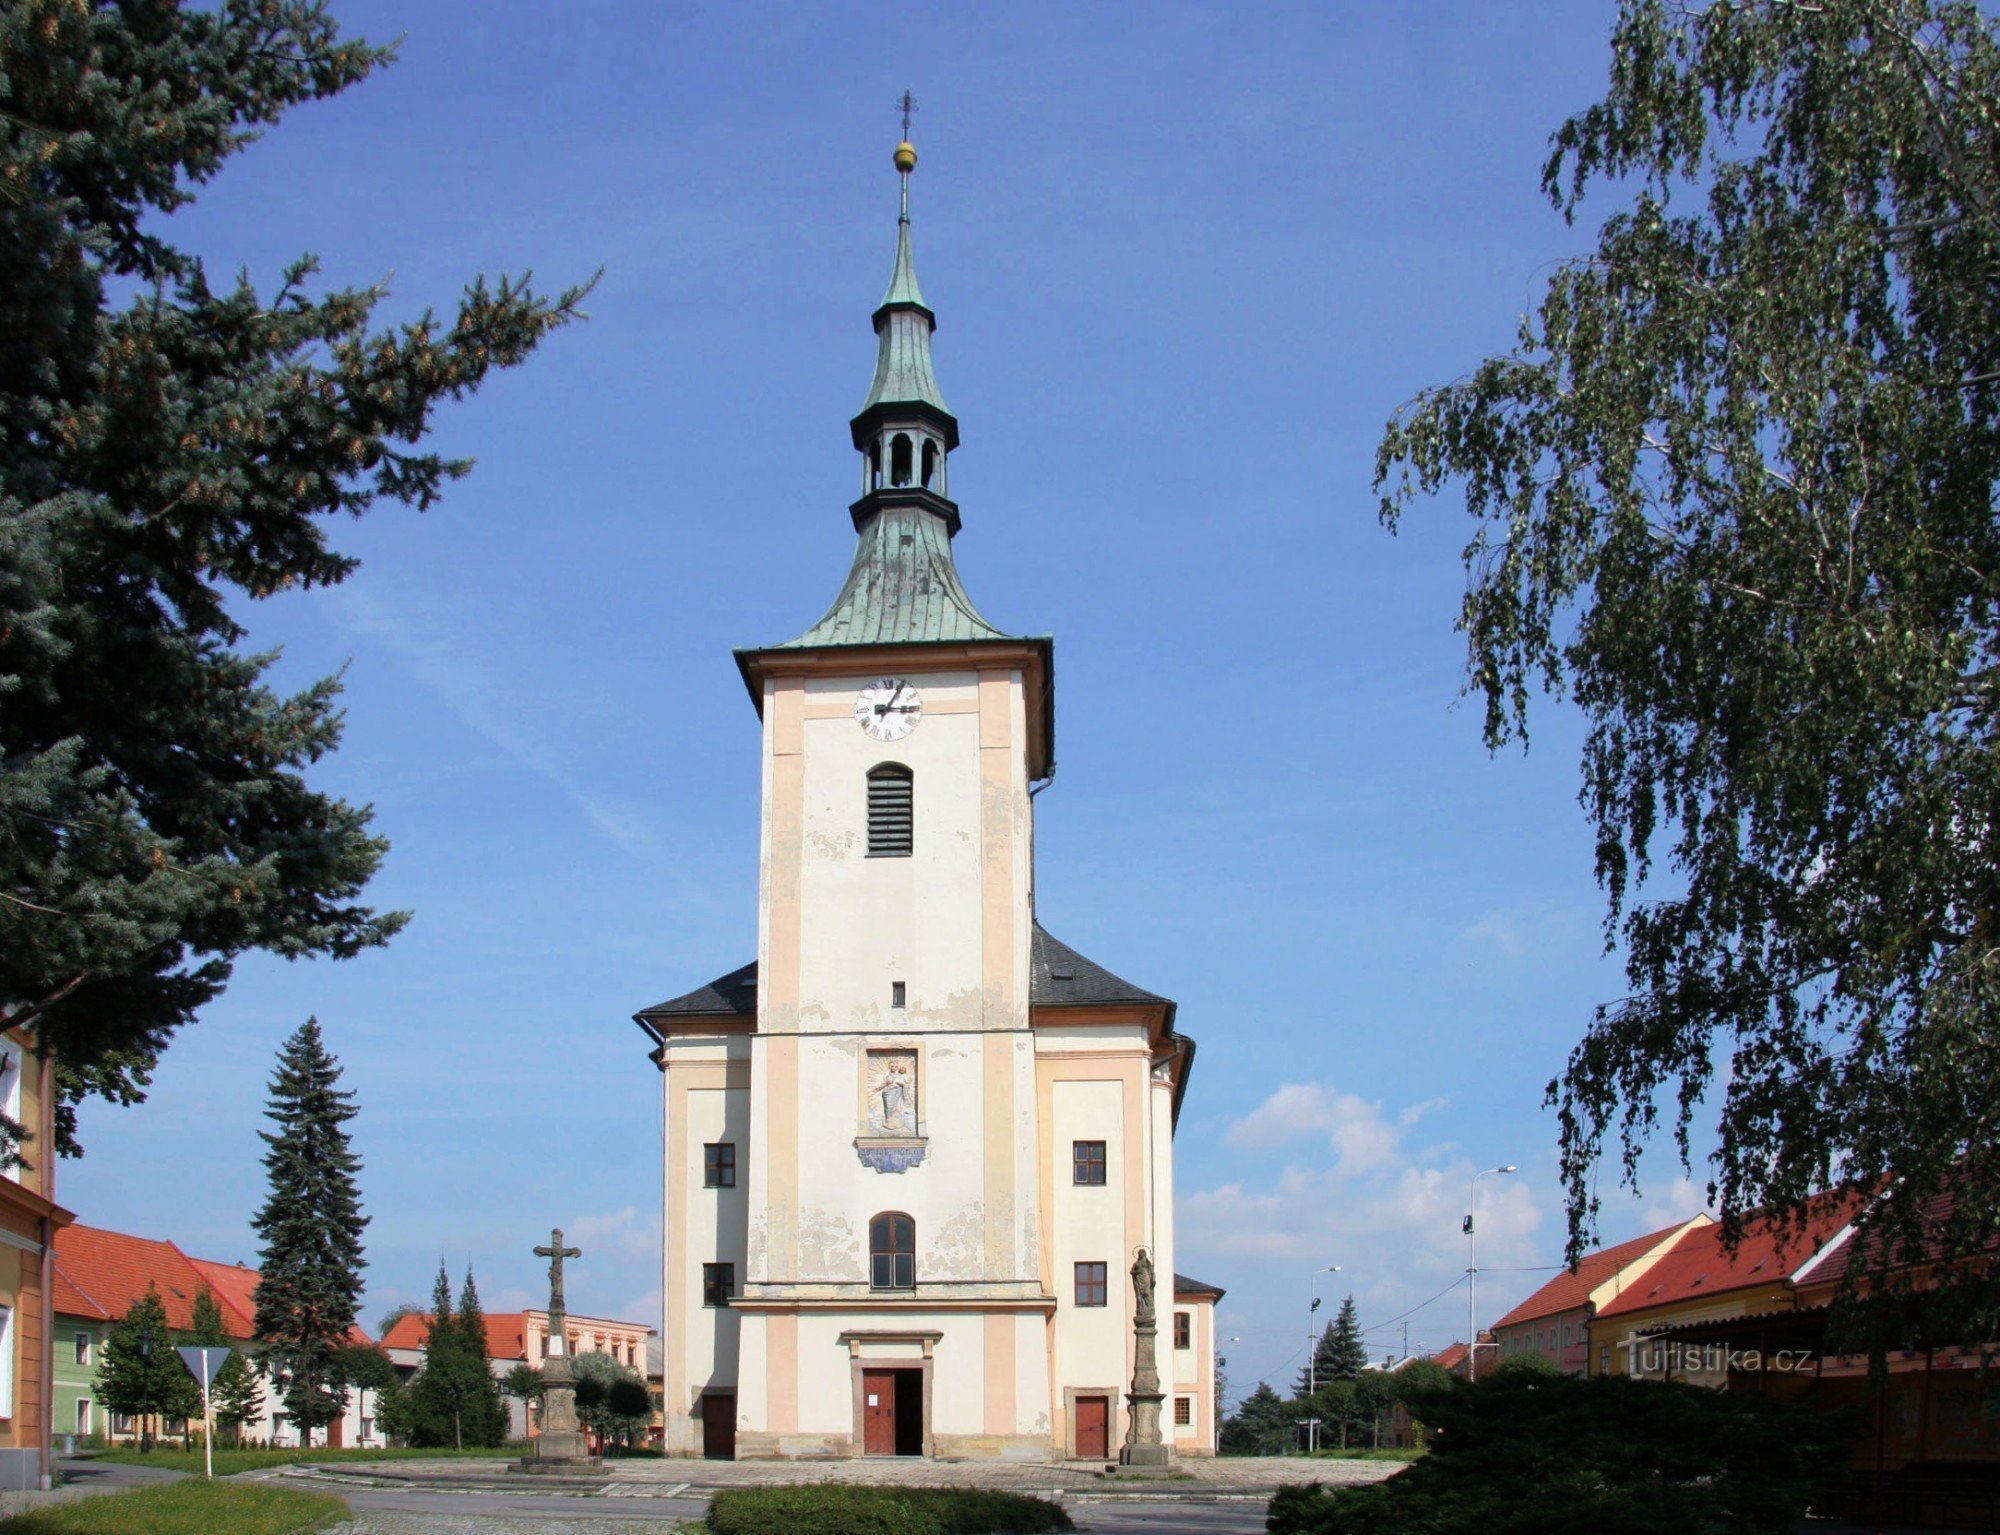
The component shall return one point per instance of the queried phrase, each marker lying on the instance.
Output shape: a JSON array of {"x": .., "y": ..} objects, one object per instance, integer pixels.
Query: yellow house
[{"x": 29, "y": 1220}]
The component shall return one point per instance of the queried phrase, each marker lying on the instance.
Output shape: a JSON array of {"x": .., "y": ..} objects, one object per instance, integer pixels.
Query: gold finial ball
[{"x": 906, "y": 157}]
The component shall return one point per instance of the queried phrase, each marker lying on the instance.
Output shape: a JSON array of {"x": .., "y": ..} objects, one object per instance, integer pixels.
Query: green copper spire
[{"x": 904, "y": 323}]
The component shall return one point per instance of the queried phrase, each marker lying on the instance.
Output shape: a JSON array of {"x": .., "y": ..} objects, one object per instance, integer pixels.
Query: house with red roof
[
  {"x": 521, "y": 1337},
  {"x": 1699, "y": 1282},
  {"x": 99, "y": 1275},
  {"x": 30, "y": 1220},
  {"x": 1555, "y": 1321}
]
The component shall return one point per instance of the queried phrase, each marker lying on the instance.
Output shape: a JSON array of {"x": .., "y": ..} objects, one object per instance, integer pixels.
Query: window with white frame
[
  {"x": 83, "y": 1415},
  {"x": 83, "y": 1348}
]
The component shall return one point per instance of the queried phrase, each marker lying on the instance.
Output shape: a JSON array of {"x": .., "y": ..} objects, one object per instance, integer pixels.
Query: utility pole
[{"x": 1472, "y": 1277}]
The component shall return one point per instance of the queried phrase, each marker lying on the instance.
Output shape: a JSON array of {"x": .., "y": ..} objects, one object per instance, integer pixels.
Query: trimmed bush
[
  {"x": 834, "y": 1508},
  {"x": 1527, "y": 1454}
]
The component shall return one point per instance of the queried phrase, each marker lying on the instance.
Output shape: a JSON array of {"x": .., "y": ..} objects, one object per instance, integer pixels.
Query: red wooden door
[
  {"x": 1093, "y": 1427},
  {"x": 878, "y": 1412},
  {"x": 718, "y": 1425}
]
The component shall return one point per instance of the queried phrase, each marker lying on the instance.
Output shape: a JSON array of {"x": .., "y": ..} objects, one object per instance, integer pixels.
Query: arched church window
[
  {"x": 900, "y": 458},
  {"x": 890, "y": 811},
  {"x": 930, "y": 462},
  {"x": 892, "y": 1251},
  {"x": 875, "y": 464}
]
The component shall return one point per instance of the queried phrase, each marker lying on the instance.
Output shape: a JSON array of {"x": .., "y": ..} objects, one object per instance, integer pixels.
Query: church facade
[{"x": 919, "y": 1167}]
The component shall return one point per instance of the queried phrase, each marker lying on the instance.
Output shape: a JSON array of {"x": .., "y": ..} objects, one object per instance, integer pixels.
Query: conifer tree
[
  {"x": 484, "y": 1411},
  {"x": 443, "y": 1403},
  {"x": 1259, "y": 1426},
  {"x": 169, "y": 451},
  {"x": 138, "y": 1372},
  {"x": 235, "y": 1393},
  {"x": 311, "y": 1227},
  {"x": 1343, "y": 1351}
]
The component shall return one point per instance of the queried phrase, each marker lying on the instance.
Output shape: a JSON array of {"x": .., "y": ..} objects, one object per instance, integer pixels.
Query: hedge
[{"x": 833, "y": 1508}]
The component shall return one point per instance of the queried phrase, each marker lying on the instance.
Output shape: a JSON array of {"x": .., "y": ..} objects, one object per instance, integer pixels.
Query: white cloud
[
  {"x": 1681, "y": 1200},
  {"x": 1353, "y": 1127},
  {"x": 621, "y": 1236},
  {"x": 1538, "y": 931}
]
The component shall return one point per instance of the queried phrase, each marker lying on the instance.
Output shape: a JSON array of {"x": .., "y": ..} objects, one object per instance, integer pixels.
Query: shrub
[
  {"x": 833, "y": 1508},
  {"x": 1523, "y": 1453}
]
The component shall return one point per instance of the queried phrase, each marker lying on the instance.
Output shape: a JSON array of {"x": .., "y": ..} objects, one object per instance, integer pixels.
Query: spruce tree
[
  {"x": 484, "y": 1410},
  {"x": 311, "y": 1227},
  {"x": 170, "y": 451},
  {"x": 138, "y": 1372},
  {"x": 447, "y": 1391},
  {"x": 1343, "y": 1351}
]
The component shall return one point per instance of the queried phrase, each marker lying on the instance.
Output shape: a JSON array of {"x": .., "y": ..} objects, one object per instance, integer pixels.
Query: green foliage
[
  {"x": 841, "y": 1509},
  {"x": 483, "y": 1409},
  {"x": 524, "y": 1383},
  {"x": 1735, "y": 492},
  {"x": 454, "y": 1401},
  {"x": 169, "y": 449},
  {"x": 1524, "y": 1453},
  {"x": 228, "y": 1462},
  {"x": 1259, "y": 1426},
  {"x": 1343, "y": 1354},
  {"x": 236, "y": 1394},
  {"x": 601, "y": 1408},
  {"x": 190, "y": 1507},
  {"x": 149, "y": 1379},
  {"x": 311, "y": 1224}
]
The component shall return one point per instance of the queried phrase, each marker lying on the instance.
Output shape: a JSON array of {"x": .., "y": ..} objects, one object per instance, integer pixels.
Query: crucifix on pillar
[{"x": 560, "y": 1446}]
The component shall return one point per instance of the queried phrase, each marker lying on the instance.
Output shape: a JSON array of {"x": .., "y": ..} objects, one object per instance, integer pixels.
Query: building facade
[
  {"x": 915, "y": 1152},
  {"x": 521, "y": 1337},
  {"x": 30, "y": 1222},
  {"x": 1554, "y": 1322}
]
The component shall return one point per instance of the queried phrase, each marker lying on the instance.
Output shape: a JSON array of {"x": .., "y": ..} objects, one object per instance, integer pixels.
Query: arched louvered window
[
  {"x": 889, "y": 811},
  {"x": 901, "y": 457},
  {"x": 930, "y": 461},
  {"x": 875, "y": 464},
  {"x": 892, "y": 1251}
]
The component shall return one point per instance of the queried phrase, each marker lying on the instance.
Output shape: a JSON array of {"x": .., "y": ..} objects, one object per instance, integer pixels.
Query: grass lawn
[
  {"x": 184, "y": 1508},
  {"x": 229, "y": 1462},
  {"x": 1410, "y": 1454}
]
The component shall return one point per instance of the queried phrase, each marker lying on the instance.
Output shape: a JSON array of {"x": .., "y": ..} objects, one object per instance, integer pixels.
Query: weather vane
[{"x": 909, "y": 105}]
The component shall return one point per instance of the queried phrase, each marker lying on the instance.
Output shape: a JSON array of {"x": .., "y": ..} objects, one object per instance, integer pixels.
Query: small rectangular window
[
  {"x": 83, "y": 1348},
  {"x": 1089, "y": 1161},
  {"x": 83, "y": 1415},
  {"x": 897, "y": 994},
  {"x": 1183, "y": 1330},
  {"x": 719, "y": 1165},
  {"x": 1183, "y": 1411},
  {"x": 718, "y": 1283},
  {"x": 1090, "y": 1285}
]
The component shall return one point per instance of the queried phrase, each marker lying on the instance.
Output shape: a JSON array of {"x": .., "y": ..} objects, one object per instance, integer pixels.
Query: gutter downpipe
[{"x": 48, "y": 1272}]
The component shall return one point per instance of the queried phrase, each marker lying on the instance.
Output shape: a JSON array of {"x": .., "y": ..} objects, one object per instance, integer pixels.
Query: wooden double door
[{"x": 892, "y": 1412}]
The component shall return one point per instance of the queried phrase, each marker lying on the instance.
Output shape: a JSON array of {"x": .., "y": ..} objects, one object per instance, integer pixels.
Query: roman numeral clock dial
[{"x": 888, "y": 709}]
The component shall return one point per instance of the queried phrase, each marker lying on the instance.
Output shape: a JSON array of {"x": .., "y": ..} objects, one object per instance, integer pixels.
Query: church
[{"x": 919, "y": 1168}]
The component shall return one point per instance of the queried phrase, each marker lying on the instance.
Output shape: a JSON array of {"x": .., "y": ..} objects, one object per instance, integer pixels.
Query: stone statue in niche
[{"x": 892, "y": 1092}]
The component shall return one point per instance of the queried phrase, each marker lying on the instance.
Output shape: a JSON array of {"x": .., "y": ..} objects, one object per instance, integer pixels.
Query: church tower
[{"x": 914, "y": 1152}]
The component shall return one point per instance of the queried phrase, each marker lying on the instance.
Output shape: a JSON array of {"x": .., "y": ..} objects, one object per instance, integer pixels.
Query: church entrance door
[
  {"x": 892, "y": 1412},
  {"x": 1093, "y": 1427},
  {"x": 878, "y": 1411},
  {"x": 718, "y": 1425}
]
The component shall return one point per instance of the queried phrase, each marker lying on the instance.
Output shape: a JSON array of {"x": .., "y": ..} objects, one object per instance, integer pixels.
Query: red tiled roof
[
  {"x": 112, "y": 1271},
  {"x": 1866, "y": 1254},
  {"x": 1571, "y": 1288},
  {"x": 1450, "y": 1356},
  {"x": 1697, "y": 1265},
  {"x": 506, "y": 1333}
]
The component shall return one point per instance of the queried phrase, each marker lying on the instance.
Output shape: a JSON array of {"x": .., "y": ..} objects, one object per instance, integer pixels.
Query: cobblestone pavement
[{"x": 485, "y": 1522}]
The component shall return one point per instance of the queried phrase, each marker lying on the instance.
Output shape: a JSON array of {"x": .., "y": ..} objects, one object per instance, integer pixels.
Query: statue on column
[
  {"x": 1143, "y": 1444},
  {"x": 561, "y": 1446}
]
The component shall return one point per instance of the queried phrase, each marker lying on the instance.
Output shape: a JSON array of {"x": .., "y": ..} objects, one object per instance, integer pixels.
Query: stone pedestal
[
  {"x": 1144, "y": 1445},
  {"x": 560, "y": 1449}
]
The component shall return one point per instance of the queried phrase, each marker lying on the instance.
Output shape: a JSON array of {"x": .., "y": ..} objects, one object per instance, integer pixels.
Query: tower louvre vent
[{"x": 889, "y": 811}]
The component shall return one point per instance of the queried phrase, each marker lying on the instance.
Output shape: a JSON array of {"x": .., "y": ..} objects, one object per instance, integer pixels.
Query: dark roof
[
  {"x": 1186, "y": 1286},
  {"x": 1059, "y": 977},
  {"x": 1062, "y": 977},
  {"x": 733, "y": 995}
]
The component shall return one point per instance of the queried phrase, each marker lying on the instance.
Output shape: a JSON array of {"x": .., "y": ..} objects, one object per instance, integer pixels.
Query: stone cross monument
[
  {"x": 561, "y": 1445},
  {"x": 1143, "y": 1446}
]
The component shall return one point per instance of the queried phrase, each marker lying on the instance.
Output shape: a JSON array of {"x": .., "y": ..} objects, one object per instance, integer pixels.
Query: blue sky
[{"x": 1186, "y": 260}]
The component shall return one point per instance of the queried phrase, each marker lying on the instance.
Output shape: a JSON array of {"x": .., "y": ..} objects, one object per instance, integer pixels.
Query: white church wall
[{"x": 1091, "y": 1225}]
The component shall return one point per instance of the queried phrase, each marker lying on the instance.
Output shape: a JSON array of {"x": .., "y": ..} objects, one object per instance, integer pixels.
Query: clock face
[{"x": 888, "y": 709}]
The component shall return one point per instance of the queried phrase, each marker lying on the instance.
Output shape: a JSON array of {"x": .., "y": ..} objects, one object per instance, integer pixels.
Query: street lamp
[
  {"x": 146, "y": 1391},
  {"x": 1312, "y": 1362},
  {"x": 1472, "y": 1276}
]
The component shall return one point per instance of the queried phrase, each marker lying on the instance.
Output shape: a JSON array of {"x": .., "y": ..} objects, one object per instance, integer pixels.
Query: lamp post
[
  {"x": 1312, "y": 1362},
  {"x": 1472, "y": 1275},
  {"x": 145, "y": 1391}
]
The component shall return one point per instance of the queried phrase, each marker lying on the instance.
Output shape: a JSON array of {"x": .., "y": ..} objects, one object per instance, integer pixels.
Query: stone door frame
[{"x": 863, "y": 1354}]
